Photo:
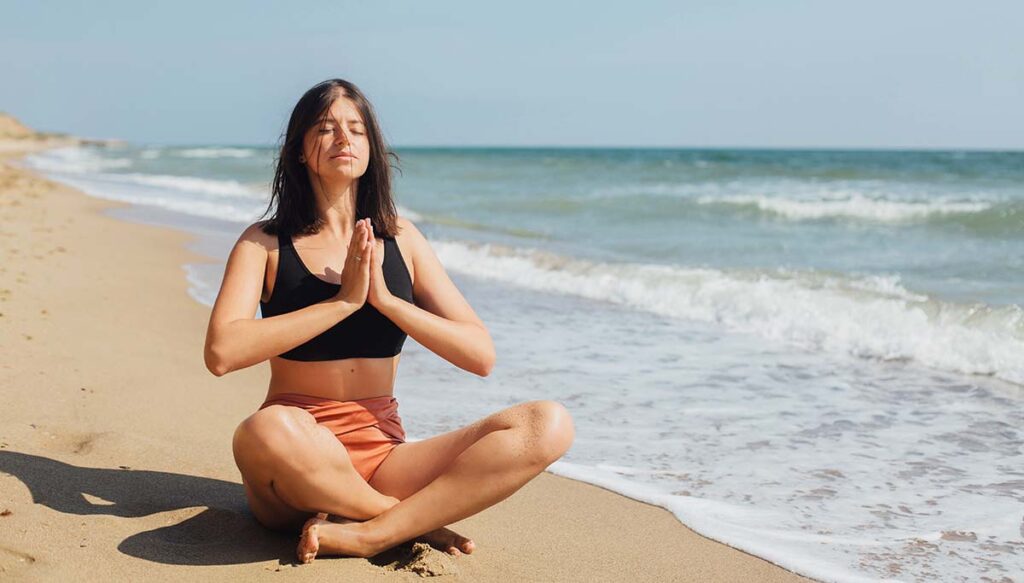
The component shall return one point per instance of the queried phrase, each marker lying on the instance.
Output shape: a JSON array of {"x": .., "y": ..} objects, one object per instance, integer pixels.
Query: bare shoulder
[
  {"x": 407, "y": 228},
  {"x": 410, "y": 238},
  {"x": 433, "y": 289},
  {"x": 244, "y": 272},
  {"x": 255, "y": 234}
]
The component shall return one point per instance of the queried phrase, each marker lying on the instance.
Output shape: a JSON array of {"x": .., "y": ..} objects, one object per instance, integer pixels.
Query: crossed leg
[
  {"x": 292, "y": 468},
  {"x": 449, "y": 477}
]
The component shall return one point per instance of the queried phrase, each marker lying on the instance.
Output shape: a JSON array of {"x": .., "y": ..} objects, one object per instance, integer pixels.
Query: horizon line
[{"x": 983, "y": 149}]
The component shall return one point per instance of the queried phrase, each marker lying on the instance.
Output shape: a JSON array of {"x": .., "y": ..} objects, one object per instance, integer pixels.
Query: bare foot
[
  {"x": 334, "y": 536},
  {"x": 309, "y": 542},
  {"x": 449, "y": 541}
]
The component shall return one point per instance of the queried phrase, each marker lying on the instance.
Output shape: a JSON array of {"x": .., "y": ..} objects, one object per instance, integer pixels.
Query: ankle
[{"x": 373, "y": 538}]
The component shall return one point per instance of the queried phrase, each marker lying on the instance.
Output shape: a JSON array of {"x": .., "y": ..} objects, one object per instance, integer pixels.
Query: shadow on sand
[{"x": 224, "y": 534}]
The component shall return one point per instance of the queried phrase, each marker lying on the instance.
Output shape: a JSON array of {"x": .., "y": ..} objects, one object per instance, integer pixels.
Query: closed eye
[{"x": 354, "y": 132}]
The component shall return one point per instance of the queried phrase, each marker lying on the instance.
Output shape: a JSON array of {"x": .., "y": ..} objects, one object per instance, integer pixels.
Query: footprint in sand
[
  {"x": 14, "y": 563},
  {"x": 82, "y": 443}
]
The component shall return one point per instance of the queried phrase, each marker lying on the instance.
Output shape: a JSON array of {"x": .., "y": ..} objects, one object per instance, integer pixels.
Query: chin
[{"x": 346, "y": 170}]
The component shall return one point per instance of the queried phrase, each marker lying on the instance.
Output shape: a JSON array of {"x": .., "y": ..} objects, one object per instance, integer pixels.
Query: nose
[{"x": 341, "y": 137}]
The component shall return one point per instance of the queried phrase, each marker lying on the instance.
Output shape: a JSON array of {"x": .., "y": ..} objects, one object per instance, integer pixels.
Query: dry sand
[{"x": 115, "y": 455}]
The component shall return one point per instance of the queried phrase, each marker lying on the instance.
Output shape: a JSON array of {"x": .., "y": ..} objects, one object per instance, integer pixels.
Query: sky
[{"x": 724, "y": 73}]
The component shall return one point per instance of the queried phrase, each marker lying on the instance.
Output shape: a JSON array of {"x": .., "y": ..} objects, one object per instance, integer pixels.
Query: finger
[
  {"x": 353, "y": 243},
  {"x": 356, "y": 246},
  {"x": 364, "y": 227}
]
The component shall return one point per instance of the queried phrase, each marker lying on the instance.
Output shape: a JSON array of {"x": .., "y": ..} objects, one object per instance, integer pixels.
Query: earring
[{"x": 302, "y": 159}]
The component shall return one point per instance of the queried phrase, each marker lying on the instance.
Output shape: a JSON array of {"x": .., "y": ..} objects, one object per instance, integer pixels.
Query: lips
[{"x": 343, "y": 155}]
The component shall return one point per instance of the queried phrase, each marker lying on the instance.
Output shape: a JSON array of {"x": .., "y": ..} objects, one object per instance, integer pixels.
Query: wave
[
  {"x": 84, "y": 165},
  {"x": 225, "y": 209},
  {"x": 995, "y": 209},
  {"x": 216, "y": 153},
  {"x": 201, "y": 197},
  {"x": 451, "y": 221},
  {"x": 409, "y": 214},
  {"x": 228, "y": 200},
  {"x": 856, "y": 206},
  {"x": 870, "y": 317},
  {"x": 208, "y": 186},
  {"x": 75, "y": 160},
  {"x": 982, "y": 217}
]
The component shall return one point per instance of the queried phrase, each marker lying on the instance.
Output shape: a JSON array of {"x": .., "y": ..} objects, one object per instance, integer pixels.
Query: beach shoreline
[{"x": 115, "y": 449}]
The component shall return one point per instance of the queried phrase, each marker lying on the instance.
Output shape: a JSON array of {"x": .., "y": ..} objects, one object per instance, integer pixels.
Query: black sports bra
[{"x": 366, "y": 333}]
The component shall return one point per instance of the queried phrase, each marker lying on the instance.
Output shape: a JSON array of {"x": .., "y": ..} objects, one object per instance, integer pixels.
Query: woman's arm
[
  {"x": 441, "y": 319},
  {"x": 234, "y": 338}
]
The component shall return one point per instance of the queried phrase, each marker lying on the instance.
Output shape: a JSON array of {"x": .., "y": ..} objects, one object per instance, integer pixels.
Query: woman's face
[{"x": 340, "y": 131}]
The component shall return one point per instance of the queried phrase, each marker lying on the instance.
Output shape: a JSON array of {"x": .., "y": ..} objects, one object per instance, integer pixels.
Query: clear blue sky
[{"x": 780, "y": 73}]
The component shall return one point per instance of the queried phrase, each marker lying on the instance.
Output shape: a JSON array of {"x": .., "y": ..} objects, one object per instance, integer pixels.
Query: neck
[{"x": 336, "y": 203}]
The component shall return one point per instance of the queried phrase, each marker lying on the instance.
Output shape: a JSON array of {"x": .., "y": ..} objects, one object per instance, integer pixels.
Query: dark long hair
[{"x": 292, "y": 193}]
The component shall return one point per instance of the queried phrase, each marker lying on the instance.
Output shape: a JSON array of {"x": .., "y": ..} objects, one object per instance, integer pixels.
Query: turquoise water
[
  {"x": 817, "y": 357},
  {"x": 950, "y": 224}
]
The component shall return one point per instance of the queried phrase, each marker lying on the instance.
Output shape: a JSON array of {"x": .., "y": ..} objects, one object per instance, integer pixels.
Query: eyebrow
[{"x": 331, "y": 119}]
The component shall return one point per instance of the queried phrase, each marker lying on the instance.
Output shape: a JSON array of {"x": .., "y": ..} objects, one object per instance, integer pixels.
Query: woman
[{"x": 342, "y": 280}]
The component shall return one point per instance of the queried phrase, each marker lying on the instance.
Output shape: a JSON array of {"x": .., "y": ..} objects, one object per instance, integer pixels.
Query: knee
[
  {"x": 551, "y": 431},
  {"x": 276, "y": 431}
]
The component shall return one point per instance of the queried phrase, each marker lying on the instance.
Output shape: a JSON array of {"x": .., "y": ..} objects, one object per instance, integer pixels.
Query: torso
[{"x": 342, "y": 380}]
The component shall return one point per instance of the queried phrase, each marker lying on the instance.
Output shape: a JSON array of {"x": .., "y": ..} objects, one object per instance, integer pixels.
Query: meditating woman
[{"x": 341, "y": 280}]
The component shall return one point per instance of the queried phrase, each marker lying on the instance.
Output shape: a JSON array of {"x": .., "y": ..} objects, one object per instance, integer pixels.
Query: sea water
[{"x": 814, "y": 356}]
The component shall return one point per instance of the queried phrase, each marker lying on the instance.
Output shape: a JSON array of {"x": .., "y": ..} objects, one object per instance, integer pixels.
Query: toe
[{"x": 308, "y": 542}]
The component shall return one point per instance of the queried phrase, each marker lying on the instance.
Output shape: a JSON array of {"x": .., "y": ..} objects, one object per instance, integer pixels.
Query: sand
[{"x": 115, "y": 441}]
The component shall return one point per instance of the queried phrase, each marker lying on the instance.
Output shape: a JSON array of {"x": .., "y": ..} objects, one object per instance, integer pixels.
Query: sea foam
[{"x": 871, "y": 317}]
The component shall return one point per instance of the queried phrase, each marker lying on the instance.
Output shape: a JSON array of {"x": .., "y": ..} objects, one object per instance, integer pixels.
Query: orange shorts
[{"x": 368, "y": 428}]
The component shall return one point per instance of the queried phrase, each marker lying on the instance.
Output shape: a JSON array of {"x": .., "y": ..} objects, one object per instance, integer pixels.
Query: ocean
[{"x": 816, "y": 357}]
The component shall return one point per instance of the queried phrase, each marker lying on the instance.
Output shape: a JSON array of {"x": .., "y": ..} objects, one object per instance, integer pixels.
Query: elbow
[
  {"x": 218, "y": 370},
  {"x": 215, "y": 362},
  {"x": 486, "y": 363}
]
